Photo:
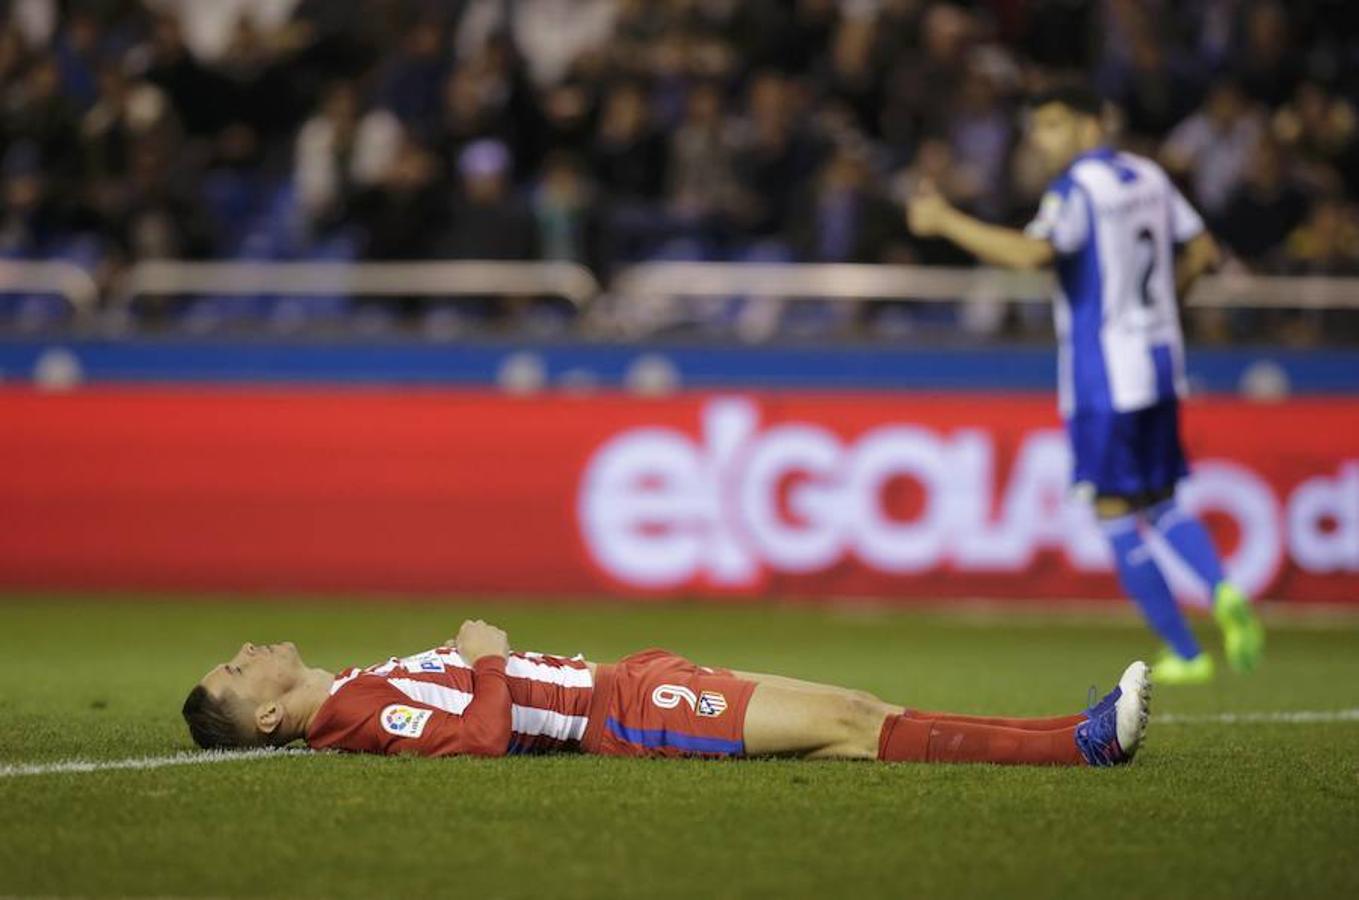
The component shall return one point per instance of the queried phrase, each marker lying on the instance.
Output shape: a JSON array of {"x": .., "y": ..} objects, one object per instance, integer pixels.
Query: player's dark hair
[
  {"x": 209, "y": 722},
  {"x": 1075, "y": 96}
]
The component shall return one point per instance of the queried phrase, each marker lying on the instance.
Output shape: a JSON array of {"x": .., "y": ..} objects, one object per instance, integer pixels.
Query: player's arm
[
  {"x": 1195, "y": 259},
  {"x": 930, "y": 215},
  {"x": 485, "y": 723},
  {"x": 1198, "y": 251},
  {"x": 483, "y": 728}
]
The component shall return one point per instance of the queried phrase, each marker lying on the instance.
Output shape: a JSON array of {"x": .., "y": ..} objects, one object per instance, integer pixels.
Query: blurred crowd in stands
[{"x": 612, "y": 131}]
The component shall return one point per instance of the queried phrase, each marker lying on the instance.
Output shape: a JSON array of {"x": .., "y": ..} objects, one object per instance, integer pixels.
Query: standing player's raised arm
[{"x": 930, "y": 215}]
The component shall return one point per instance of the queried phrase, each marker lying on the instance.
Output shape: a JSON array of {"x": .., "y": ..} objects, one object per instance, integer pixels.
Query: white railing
[
  {"x": 834, "y": 281},
  {"x": 838, "y": 281},
  {"x": 62, "y": 279},
  {"x": 648, "y": 297},
  {"x": 640, "y": 298},
  {"x": 449, "y": 278},
  {"x": 1244, "y": 291}
]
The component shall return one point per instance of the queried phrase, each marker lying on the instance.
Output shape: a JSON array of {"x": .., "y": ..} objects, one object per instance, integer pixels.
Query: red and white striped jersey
[{"x": 435, "y": 704}]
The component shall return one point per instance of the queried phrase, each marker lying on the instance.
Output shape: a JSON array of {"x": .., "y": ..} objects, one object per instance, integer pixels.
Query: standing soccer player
[{"x": 1111, "y": 224}]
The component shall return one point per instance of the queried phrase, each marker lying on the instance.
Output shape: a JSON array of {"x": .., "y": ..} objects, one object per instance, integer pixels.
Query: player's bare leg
[
  {"x": 813, "y": 686},
  {"x": 787, "y": 717},
  {"x": 791, "y": 718},
  {"x": 1029, "y": 723}
]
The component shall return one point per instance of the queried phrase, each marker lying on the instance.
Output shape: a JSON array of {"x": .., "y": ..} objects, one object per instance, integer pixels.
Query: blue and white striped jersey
[{"x": 1114, "y": 219}]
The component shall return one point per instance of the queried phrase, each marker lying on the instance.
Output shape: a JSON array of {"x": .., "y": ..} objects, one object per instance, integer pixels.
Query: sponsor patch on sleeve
[{"x": 405, "y": 721}]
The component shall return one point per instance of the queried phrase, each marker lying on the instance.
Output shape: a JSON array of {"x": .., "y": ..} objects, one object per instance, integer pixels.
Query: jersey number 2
[{"x": 1146, "y": 259}]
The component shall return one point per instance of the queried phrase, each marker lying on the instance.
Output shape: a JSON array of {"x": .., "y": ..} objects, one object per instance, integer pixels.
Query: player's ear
[
  {"x": 1092, "y": 129},
  {"x": 268, "y": 716}
]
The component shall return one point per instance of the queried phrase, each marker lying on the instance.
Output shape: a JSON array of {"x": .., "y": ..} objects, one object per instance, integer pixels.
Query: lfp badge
[{"x": 405, "y": 721}]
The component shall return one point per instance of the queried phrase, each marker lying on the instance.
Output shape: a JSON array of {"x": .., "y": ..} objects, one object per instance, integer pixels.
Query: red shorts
[{"x": 655, "y": 703}]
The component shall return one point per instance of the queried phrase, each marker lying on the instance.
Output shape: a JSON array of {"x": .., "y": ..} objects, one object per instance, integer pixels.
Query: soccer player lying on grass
[{"x": 473, "y": 696}]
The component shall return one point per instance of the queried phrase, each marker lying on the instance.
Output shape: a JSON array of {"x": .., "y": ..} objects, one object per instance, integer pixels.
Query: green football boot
[
  {"x": 1171, "y": 668},
  {"x": 1243, "y": 637}
]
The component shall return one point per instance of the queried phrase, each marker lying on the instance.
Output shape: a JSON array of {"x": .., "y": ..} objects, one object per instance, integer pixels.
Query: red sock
[
  {"x": 1053, "y": 723},
  {"x": 908, "y": 739}
]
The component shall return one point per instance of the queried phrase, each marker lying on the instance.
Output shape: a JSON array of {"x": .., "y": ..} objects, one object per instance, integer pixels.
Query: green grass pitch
[{"x": 1210, "y": 809}]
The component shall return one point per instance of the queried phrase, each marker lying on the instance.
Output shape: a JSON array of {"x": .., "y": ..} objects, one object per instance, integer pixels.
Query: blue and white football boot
[{"x": 1116, "y": 726}]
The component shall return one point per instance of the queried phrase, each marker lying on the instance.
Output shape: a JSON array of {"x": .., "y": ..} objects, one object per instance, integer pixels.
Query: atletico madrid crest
[{"x": 711, "y": 704}]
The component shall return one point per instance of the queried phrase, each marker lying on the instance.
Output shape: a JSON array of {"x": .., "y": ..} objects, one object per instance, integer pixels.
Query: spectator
[
  {"x": 488, "y": 221},
  {"x": 1264, "y": 208},
  {"x": 29, "y": 218},
  {"x": 404, "y": 213},
  {"x": 1153, "y": 89},
  {"x": 210, "y": 30},
  {"x": 75, "y": 51},
  {"x": 840, "y": 218},
  {"x": 551, "y": 33},
  {"x": 473, "y": 109},
  {"x": 126, "y": 115},
  {"x": 1321, "y": 131},
  {"x": 921, "y": 90},
  {"x": 565, "y": 212},
  {"x": 121, "y": 111},
  {"x": 629, "y": 151},
  {"x": 980, "y": 136},
  {"x": 1327, "y": 242},
  {"x": 1270, "y": 68},
  {"x": 159, "y": 217},
  {"x": 702, "y": 159},
  {"x": 1212, "y": 147},
  {"x": 775, "y": 152},
  {"x": 201, "y": 98},
  {"x": 851, "y": 75},
  {"x": 41, "y": 113},
  {"x": 340, "y": 152},
  {"x": 412, "y": 80}
]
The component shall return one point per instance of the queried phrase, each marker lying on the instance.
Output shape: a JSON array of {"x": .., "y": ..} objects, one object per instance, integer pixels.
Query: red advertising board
[{"x": 897, "y": 496}]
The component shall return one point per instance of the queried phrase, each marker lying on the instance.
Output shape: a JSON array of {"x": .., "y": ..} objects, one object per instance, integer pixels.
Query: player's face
[
  {"x": 258, "y": 673},
  {"x": 1058, "y": 134}
]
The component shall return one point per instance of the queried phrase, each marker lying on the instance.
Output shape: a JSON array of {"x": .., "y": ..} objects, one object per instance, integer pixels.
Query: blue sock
[
  {"x": 1190, "y": 539},
  {"x": 1142, "y": 580}
]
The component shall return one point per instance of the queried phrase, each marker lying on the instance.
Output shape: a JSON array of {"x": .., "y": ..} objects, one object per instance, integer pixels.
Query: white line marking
[
  {"x": 1286, "y": 717},
  {"x": 145, "y": 762}
]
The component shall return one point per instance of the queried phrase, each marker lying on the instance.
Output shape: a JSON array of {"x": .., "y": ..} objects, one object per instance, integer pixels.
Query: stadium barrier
[
  {"x": 804, "y": 494},
  {"x": 569, "y": 281},
  {"x": 57, "y": 278},
  {"x": 852, "y": 281},
  {"x": 647, "y": 297}
]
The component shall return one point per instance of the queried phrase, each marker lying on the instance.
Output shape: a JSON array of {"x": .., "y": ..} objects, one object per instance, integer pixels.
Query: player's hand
[
  {"x": 477, "y": 639},
  {"x": 926, "y": 210}
]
